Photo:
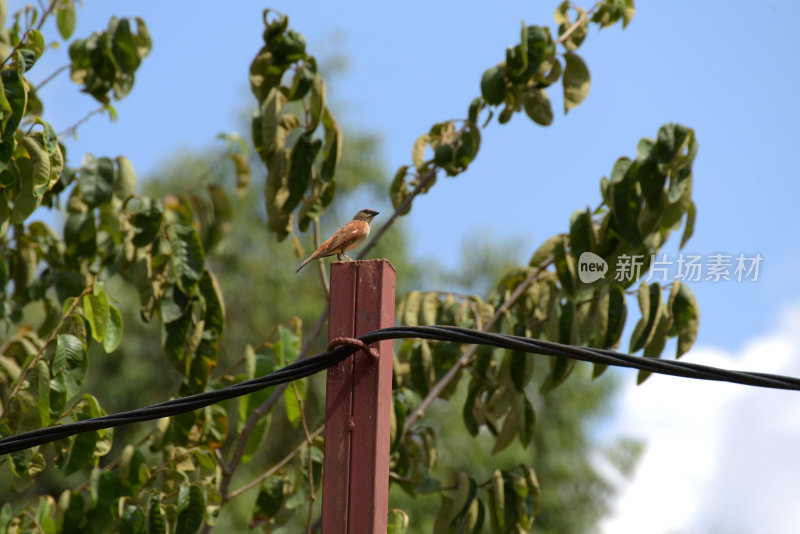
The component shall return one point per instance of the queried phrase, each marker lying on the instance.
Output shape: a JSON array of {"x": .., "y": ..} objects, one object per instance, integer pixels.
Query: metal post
[{"x": 355, "y": 487}]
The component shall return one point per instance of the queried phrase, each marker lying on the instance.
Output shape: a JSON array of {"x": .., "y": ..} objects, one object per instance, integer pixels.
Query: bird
[{"x": 345, "y": 238}]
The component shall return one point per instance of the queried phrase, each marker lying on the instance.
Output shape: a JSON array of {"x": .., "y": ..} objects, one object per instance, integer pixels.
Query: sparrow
[{"x": 345, "y": 238}]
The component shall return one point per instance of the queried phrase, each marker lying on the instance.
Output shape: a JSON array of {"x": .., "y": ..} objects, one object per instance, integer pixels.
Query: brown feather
[{"x": 346, "y": 238}]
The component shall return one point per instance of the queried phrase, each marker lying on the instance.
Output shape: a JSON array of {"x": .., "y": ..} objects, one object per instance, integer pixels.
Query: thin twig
[
  {"x": 424, "y": 181},
  {"x": 71, "y": 130},
  {"x": 310, "y": 466},
  {"x": 272, "y": 470},
  {"x": 323, "y": 275},
  {"x": 451, "y": 373},
  {"x": 55, "y": 73},
  {"x": 564, "y": 36}
]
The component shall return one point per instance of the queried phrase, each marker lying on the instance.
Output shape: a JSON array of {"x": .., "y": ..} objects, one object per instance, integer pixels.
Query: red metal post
[{"x": 355, "y": 486}]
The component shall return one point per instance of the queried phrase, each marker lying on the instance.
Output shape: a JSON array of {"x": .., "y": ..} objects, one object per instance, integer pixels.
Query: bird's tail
[{"x": 304, "y": 263}]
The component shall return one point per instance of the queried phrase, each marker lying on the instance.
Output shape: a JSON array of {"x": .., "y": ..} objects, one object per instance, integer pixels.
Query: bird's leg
[
  {"x": 346, "y": 256},
  {"x": 338, "y": 256}
]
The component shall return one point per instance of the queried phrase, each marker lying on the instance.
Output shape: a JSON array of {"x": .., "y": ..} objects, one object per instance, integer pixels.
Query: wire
[{"x": 309, "y": 366}]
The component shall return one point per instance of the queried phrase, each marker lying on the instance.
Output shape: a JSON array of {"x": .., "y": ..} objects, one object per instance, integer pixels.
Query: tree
[{"x": 59, "y": 292}]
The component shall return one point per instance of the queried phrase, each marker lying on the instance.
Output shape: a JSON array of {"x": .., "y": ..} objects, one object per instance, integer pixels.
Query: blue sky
[{"x": 727, "y": 69}]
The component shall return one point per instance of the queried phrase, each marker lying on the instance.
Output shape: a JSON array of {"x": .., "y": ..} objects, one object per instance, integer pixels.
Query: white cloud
[{"x": 720, "y": 458}]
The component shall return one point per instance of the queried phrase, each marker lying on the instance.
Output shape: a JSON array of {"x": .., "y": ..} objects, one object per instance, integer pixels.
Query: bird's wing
[{"x": 347, "y": 235}]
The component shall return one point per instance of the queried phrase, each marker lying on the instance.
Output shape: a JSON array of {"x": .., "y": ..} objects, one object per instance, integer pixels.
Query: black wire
[{"x": 309, "y": 366}]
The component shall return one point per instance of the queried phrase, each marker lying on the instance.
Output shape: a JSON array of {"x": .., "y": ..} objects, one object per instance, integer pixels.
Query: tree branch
[
  {"x": 577, "y": 24},
  {"x": 429, "y": 175},
  {"x": 323, "y": 276},
  {"x": 71, "y": 130},
  {"x": 51, "y": 76},
  {"x": 272, "y": 470}
]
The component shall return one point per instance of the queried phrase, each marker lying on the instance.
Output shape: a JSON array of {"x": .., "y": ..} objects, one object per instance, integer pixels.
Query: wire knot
[{"x": 352, "y": 342}]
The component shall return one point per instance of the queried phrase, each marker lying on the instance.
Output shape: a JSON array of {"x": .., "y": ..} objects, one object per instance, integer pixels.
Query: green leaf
[
  {"x": 428, "y": 308},
  {"x": 332, "y": 153},
  {"x": 223, "y": 213},
  {"x": 291, "y": 402},
  {"x": 493, "y": 85},
  {"x": 4, "y": 214},
  {"x": 40, "y": 160},
  {"x": 27, "y": 201},
  {"x": 125, "y": 185},
  {"x": 317, "y": 103},
  {"x": 173, "y": 340},
  {"x": 65, "y": 20},
  {"x": 528, "y": 422},
  {"x": 397, "y": 522},
  {"x": 649, "y": 303},
  {"x": 303, "y": 79},
  {"x": 104, "y": 491},
  {"x": 521, "y": 368},
  {"x": 576, "y": 81},
  {"x": 74, "y": 515},
  {"x": 537, "y": 106},
  {"x": 684, "y": 317},
  {"x": 123, "y": 47},
  {"x": 657, "y": 341},
  {"x": 49, "y": 137},
  {"x": 80, "y": 235},
  {"x": 688, "y": 229},
  {"x": 156, "y": 521},
  {"x": 96, "y": 180},
  {"x": 288, "y": 348},
  {"x": 133, "y": 469},
  {"x": 17, "y": 99},
  {"x": 418, "y": 151},
  {"x": 580, "y": 232},
  {"x": 213, "y": 305},
  {"x": 443, "y": 155},
  {"x": 187, "y": 256},
  {"x": 512, "y": 425},
  {"x": 468, "y": 412},
  {"x": 469, "y": 143},
  {"x": 147, "y": 216},
  {"x": 81, "y": 450},
  {"x": 398, "y": 191},
  {"x": 43, "y": 392},
  {"x": 423, "y": 373},
  {"x": 69, "y": 365},
  {"x": 546, "y": 250},
  {"x": 565, "y": 268},
  {"x": 453, "y": 509},
  {"x": 300, "y": 164},
  {"x": 243, "y": 175},
  {"x": 133, "y": 521},
  {"x": 411, "y": 305},
  {"x": 626, "y": 202},
  {"x": 270, "y": 498},
  {"x": 497, "y": 502},
  {"x": 475, "y": 108},
  {"x": 113, "y": 329},
  {"x": 616, "y": 315},
  {"x": 96, "y": 310},
  {"x": 191, "y": 509},
  {"x": 272, "y": 138}
]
